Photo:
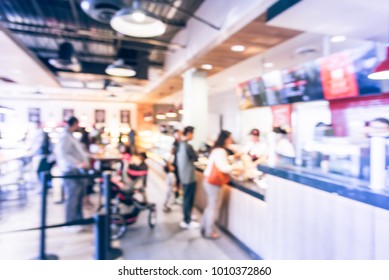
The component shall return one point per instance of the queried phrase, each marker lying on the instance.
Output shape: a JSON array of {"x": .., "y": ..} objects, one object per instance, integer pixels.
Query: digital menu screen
[
  {"x": 338, "y": 78},
  {"x": 302, "y": 83},
  {"x": 257, "y": 91},
  {"x": 244, "y": 98},
  {"x": 294, "y": 83},
  {"x": 364, "y": 61},
  {"x": 273, "y": 88}
]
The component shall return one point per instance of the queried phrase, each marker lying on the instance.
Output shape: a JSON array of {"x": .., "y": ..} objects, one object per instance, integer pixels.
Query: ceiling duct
[
  {"x": 279, "y": 7},
  {"x": 101, "y": 10},
  {"x": 66, "y": 58}
]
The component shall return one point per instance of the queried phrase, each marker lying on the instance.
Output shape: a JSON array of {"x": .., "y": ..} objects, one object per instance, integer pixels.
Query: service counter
[{"x": 294, "y": 213}]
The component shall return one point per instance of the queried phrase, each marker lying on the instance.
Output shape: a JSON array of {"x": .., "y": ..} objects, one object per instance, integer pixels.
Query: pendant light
[
  {"x": 160, "y": 116},
  {"x": 66, "y": 59},
  {"x": 136, "y": 22},
  {"x": 381, "y": 72},
  {"x": 120, "y": 69},
  {"x": 148, "y": 117},
  {"x": 171, "y": 114}
]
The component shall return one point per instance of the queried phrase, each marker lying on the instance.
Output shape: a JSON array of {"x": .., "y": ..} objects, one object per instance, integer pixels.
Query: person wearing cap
[
  {"x": 255, "y": 148},
  {"x": 72, "y": 159}
]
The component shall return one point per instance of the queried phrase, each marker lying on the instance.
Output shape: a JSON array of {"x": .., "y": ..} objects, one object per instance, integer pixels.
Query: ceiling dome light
[
  {"x": 120, "y": 69},
  {"x": 268, "y": 65},
  {"x": 137, "y": 23},
  {"x": 139, "y": 16},
  {"x": 381, "y": 72},
  {"x": 238, "y": 48},
  {"x": 207, "y": 66}
]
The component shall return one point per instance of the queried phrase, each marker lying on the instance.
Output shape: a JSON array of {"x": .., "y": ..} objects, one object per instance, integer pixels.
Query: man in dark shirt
[{"x": 186, "y": 156}]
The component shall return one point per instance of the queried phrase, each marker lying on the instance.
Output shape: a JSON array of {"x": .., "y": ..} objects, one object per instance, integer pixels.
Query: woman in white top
[{"x": 219, "y": 157}]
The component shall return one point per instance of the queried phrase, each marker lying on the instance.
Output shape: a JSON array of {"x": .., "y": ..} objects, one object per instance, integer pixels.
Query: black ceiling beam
[
  {"x": 87, "y": 34},
  {"x": 136, "y": 46},
  {"x": 53, "y": 53}
]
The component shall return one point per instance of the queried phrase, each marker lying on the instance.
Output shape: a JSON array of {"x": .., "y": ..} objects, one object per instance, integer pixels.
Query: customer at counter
[
  {"x": 186, "y": 157},
  {"x": 255, "y": 148},
  {"x": 217, "y": 163},
  {"x": 72, "y": 160}
]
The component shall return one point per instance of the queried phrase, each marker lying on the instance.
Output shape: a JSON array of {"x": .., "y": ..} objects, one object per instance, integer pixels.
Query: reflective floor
[{"x": 166, "y": 241}]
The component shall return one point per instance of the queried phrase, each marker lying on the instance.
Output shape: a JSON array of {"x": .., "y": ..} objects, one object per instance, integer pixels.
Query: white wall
[
  {"x": 237, "y": 121},
  {"x": 52, "y": 112},
  {"x": 225, "y": 104}
]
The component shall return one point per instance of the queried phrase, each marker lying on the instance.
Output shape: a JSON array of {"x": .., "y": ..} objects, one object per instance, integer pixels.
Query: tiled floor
[{"x": 166, "y": 241}]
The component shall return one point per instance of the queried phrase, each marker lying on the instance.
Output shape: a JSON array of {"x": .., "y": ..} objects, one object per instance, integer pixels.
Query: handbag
[{"x": 217, "y": 178}]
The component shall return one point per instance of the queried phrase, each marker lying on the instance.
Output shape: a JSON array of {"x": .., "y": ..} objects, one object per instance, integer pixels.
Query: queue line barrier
[{"x": 101, "y": 220}]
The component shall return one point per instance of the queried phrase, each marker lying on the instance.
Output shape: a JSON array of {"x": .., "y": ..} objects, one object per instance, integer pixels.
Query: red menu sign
[
  {"x": 282, "y": 115},
  {"x": 338, "y": 76}
]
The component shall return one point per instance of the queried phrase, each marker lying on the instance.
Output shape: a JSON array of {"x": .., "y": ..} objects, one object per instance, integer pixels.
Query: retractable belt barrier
[{"x": 102, "y": 221}]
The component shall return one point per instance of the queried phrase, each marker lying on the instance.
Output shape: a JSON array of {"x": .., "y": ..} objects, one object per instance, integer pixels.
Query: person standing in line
[
  {"x": 219, "y": 159},
  {"x": 177, "y": 139},
  {"x": 170, "y": 184},
  {"x": 186, "y": 156},
  {"x": 72, "y": 159}
]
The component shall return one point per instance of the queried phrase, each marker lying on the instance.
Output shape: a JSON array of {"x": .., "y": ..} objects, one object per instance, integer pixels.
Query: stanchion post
[
  {"x": 112, "y": 253},
  {"x": 45, "y": 178},
  {"x": 101, "y": 244}
]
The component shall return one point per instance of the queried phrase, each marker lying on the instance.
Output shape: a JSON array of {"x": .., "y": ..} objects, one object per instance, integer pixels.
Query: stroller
[{"x": 125, "y": 206}]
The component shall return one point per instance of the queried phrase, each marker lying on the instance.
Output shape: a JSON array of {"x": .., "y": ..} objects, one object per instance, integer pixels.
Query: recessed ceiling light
[
  {"x": 238, "y": 48},
  {"x": 268, "y": 64},
  {"x": 207, "y": 66},
  {"x": 338, "y": 38},
  {"x": 231, "y": 79}
]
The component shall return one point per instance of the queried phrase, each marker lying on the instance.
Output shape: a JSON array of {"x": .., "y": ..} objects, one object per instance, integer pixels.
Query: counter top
[
  {"x": 351, "y": 188},
  {"x": 248, "y": 186}
]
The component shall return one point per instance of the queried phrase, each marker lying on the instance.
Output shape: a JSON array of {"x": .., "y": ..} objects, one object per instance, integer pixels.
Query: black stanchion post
[
  {"x": 45, "y": 178},
  {"x": 101, "y": 244},
  {"x": 112, "y": 253}
]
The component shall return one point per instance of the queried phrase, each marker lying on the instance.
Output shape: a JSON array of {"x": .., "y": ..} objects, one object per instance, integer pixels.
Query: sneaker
[
  {"x": 178, "y": 201},
  {"x": 184, "y": 225},
  {"x": 167, "y": 209},
  {"x": 194, "y": 225}
]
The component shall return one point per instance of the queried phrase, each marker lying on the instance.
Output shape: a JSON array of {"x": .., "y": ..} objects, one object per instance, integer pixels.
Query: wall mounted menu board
[
  {"x": 256, "y": 88},
  {"x": 345, "y": 74},
  {"x": 245, "y": 100},
  {"x": 337, "y": 76},
  {"x": 273, "y": 88},
  {"x": 302, "y": 83},
  {"x": 364, "y": 61}
]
